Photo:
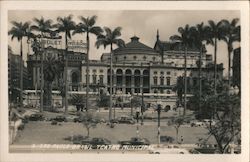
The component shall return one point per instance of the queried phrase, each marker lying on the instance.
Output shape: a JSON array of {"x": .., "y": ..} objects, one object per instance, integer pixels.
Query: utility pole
[{"x": 159, "y": 123}]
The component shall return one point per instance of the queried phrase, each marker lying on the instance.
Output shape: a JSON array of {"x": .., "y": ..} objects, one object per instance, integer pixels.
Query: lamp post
[
  {"x": 159, "y": 122},
  {"x": 142, "y": 107},
  {"x": 137, "y": 121},
  {"x": 99, "y": 95}
]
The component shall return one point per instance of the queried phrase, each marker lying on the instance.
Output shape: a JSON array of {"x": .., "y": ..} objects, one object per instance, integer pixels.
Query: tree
[
  {"x": 43, "y": 26},
  {"x": 215, "y": 32},
  {"x": 110, "y": 38},
  {"x": 226, "y": 118},
  {"x": 87, "y": 119},
  {"x": 179, "y": 88},
  {"x": 87, "y": 26},
  {"x": 66, "y": 25},
  {"x": 200, "y": 35},
  {"x": 231, "y": 35},
  {"x": 79, "y": 101},
  {"x": 19, "y": 31},
  {"x": 228, "y": 125},
  {"x": 52, "y": 69},
  {"x": 176, "y": 122},
  {"x": 186, "y": 40}
]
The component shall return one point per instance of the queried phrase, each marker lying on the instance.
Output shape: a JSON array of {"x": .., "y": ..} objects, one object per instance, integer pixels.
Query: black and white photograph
[{"x": 126, "y": 82}]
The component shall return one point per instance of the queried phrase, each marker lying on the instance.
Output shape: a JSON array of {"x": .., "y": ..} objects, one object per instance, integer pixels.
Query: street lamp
[
  {"x": 142, "y": 107},
  {"x": 158, "y": 109},
  {"x": 137, "y": 121}
]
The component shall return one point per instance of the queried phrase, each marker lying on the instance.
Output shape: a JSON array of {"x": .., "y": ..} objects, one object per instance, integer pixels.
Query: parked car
[
  {"x": 207, "y": 122},
  {"x": 167, "y": 139},
  {"x": 126, "y": 120},
  {"x": 95, "y": 142},
  {"x": 135, "y": 141},
  {"x": 206, "y": 148},
  {"x": 168, "y": 151},
  {"x": 36, "y": 117},
  {"x": 60, "y": 118},
  {"x": 80, "y": 139},
  {"x": 197, "y": 124}
]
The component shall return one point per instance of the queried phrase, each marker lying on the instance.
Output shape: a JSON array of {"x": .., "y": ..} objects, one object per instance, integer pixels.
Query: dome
[
  {"x": 135, "y": 52},
  {"x": 135, "y": 47}
]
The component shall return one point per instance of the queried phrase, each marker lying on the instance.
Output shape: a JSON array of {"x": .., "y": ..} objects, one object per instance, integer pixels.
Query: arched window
[
  {"x": 74, "y": 77},
  {"x": 119, "y": 74}
]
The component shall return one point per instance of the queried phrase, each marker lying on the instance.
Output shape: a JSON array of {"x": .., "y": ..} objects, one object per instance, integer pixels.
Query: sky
[{"x": 143, "y": 23}]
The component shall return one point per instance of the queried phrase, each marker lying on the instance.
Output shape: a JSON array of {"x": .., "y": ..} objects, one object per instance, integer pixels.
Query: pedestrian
[{"x": 181, "y": 139}]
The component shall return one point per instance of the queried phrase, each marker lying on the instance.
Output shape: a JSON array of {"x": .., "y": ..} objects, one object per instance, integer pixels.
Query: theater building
[{"x": 137, "y": 70}]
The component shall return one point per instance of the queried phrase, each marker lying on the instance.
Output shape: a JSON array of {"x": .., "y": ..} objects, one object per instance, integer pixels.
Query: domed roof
[{"x": 135, "y": 47}]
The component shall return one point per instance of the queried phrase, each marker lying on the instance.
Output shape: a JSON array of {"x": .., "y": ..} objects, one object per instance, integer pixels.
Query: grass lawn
[{"x": 41, "y": 132}]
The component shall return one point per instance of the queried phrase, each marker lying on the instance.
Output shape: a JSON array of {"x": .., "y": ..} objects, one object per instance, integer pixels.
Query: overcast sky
[{"x": 143, "y": 24}]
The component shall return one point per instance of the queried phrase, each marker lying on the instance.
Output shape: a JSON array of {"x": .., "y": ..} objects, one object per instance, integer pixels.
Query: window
[
  {"x": 125, "y": 57},
  {"x": 94, "y": 70},
  {"x": 168, "y": 81},
  {"x": 101, "y": 79},
  {"x": 162, "y": 81},
  {"x": 101, "y": 70},
  {"x": 195, "y": 81},
  {"x": 168, "y": 72},
  {"x": 116, "y": 58},
  {"x": 168, "y": 92},
  {"x": 144, "y": 57},
  {"x": 153, "y": 58},
  {"x": 94, "y": 79},
  {"x": 155, "y": 80},
  {"x": 162, "y": 73},
  {"x": 135, "y": 57},
  {"x": 155, "y": 72}
]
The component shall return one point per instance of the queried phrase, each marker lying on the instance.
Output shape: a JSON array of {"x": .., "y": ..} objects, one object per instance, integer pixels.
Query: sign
[{"x": 77, "y": 44}]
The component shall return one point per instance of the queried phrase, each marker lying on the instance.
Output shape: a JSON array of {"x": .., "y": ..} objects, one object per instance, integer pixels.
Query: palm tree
[
  {"x": 19, "y": 31},
  {"x": 215, "y": 32},
  {"x": 199, "y": 33},
  {"x": 231, "y": 35},
  {"x": 52, "y": 69},
  {"x": 66, "y": 25},
  {"x": 186, "y": 40},
  {"x": 87, "y": 26},
  {"x": 43, "y": 26},
  {"x": 110, "y": 38}
]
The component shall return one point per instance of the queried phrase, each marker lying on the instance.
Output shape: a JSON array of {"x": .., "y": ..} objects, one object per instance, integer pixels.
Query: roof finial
[{"x": 157, "y": 36}]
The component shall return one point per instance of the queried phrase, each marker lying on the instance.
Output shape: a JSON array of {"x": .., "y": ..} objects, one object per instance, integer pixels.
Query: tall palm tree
[
  {"x": 110, "y": 38},
  {"x": 42, "y": 26},
  {"x": 215, "y": 32},
  {"x": 200, "y": 36},
  {"x": 231, "y": 35},
  {"x": 66, "y": 25},
  {"x": 52, "y": 69},
  {"x": 186, "y": 40},
  {"x": 87, "y": 26},
  {"x": 19, "y": 31}
]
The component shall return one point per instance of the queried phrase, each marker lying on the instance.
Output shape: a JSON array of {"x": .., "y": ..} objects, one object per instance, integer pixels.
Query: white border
[{"x": 123, "y": 5}]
